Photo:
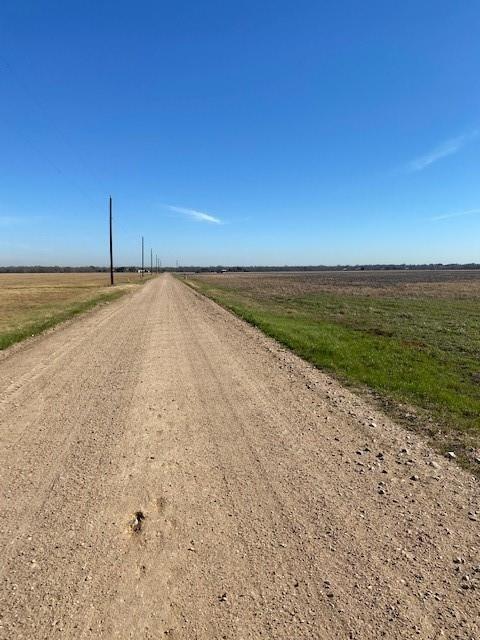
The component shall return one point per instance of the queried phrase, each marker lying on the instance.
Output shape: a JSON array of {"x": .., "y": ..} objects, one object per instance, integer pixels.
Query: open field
[
  {"x": 168, "y": 471},
  {"x": 31, "y": 303},
  {"x": 412, "y": 337}
]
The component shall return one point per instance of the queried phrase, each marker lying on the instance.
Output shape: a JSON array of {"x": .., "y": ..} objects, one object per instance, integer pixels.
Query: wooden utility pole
[
  {"x": 151, "y": 261},
  {"x": 111, "y": 245},
  {"x": 142, "y": 258}
]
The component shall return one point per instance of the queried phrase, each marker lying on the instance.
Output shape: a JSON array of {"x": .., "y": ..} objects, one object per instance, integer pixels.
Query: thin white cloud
[
  {"x": 200, "y": 216},
  {"x": 458, "y": 214},
  {"x": 447, "y": 148}
]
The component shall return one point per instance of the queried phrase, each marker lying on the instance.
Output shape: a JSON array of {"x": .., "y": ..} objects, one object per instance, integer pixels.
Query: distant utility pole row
[{"x": 158, "y": 263}]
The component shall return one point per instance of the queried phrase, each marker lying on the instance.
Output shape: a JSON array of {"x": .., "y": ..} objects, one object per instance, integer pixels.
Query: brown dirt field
[
  {"x": 437, "y": 284},
  {"x": 275, "y": 503}
]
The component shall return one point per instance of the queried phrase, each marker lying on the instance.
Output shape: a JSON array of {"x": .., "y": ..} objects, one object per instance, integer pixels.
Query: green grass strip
[
  {"x": 55, "y": 316},
  {"x": 423, "y": 353}
]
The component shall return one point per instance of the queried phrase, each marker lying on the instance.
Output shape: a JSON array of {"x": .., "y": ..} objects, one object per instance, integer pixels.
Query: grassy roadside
[
  {"x": 419, "y": 356},
  {"x": 54, "y": 317},
  {"x": 31, "y": 304}
]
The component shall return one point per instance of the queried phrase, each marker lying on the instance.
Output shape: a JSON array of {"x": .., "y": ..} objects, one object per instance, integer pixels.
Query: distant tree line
[
  {"x": 57, "y": 269},
  {"x": 221, "y": 268},
  {"x": 362, "y": 267}
]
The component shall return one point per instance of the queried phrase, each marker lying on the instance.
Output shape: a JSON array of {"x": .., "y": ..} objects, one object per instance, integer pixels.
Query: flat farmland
[
  {"x": 168, "y": 471},
  {"x": 32, "y": 302},
  {"x": 409, "y": 338}
]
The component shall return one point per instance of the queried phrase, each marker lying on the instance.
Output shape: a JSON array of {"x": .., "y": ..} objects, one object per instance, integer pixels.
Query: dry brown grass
[{"x": 32, "y": 302}]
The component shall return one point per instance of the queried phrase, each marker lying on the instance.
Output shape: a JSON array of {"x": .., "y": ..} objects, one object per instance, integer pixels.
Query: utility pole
[
  {"x": 151, "y": 261},
  {"x": 142, "y": 257},
  {"x": 111, "y": 245}
]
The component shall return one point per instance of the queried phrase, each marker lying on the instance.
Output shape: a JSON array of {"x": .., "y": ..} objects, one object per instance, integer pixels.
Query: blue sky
[{"x": 240, "y": 132}]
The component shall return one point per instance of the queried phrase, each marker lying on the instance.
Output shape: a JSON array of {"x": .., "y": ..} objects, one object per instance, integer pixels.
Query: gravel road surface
[{"x": 169, "y": 472}]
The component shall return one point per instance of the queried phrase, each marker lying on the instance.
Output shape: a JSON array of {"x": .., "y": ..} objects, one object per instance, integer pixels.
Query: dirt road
[{"x": 274, "y": 503}]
